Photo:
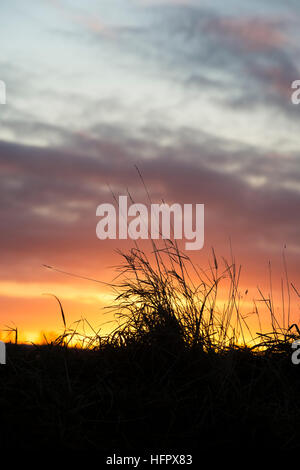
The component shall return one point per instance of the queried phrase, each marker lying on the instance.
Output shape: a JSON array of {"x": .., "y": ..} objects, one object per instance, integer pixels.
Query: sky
[{"x": 197, "y": 94}]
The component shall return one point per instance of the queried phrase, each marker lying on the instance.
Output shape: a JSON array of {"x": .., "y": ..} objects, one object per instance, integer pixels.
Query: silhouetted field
[
  {"x": 174, "y": 374},
  {"x": 141, "y": 396}
]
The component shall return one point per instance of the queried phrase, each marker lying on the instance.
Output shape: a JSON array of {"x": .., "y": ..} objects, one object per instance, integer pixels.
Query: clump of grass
[{"x": 163, "y": 298}]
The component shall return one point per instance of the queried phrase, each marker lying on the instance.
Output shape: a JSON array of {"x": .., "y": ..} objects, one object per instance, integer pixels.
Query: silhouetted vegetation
[{"x": 177, "y": 372}]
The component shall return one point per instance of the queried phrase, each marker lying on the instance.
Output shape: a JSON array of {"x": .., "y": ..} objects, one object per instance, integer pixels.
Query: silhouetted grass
[{"x": 177, "y": 372}]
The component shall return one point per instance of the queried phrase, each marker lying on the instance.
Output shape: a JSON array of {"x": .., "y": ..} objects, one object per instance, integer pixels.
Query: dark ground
[{"x": 142, "y": 397}]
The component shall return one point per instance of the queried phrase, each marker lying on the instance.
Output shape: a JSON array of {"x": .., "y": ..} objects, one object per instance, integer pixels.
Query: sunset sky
[{"x": 195, "y": 93}]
